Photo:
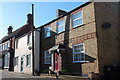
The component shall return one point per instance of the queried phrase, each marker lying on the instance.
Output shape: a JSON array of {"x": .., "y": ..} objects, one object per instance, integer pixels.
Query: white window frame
[
  {"x": 47, "y": 30},
  {"x": 77, "y": 18},
  {"x": 81, "y": 52},
  {"x": 28, "y": 60},
  {"x": 16, "y": 43},
  {"x": 63, "y": 25},
  {"x": 7, "y": 60},
  {"x": 46, "y": 57},
  {"x": 29, "y": 38},
  {"x": 16, "y": 59}
]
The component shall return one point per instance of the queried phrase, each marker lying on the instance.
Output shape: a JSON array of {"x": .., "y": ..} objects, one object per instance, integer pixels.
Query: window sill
[
  {"x": 79, "y": 61},
  {"x": 6, "y": 67},
  {"x": 16, "y": 66},
  {"x": 47, "y": 63},
  {"x": 77, "y": 26},
  {"x": 28, "y": 66},
  {"x": 47, "y": 37}
]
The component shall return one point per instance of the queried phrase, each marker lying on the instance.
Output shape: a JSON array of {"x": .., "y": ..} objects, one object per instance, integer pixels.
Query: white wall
[
  {"x": 37, "y": 49},
  {"x": 23, "y": 50}
]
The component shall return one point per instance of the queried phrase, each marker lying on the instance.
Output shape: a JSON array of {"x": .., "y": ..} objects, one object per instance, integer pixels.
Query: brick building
[{"x": 90, "y": 36}]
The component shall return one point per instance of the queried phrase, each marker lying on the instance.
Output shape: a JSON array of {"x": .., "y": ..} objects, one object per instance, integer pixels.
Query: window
[
  {"x": 16, "y": 61},
  {"x": 77, "y": 19},
  {"x": 47, "y": 31},
  {"x": 6, "y": 60},
  {"x": 16, "y": 43},
  {"x": 60, "y": 26},
  {"x": 78, "y": 53},
  {"x": 47, "y": 57},
  {"x": 29, "y": 39},
  {"x": 28, "y": 60},
  {"x": 0, "y": 48},
  {"x": 6, "y": 46}
]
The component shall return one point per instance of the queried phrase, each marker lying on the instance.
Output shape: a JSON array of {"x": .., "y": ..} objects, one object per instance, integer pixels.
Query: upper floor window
[
  {"x": 28, "y": 59},
  {"x": 29, "y": 39},
  {"x": 47, "y": 31},
  {"x": 47, "y": 57},
  {"x": 60, "y": 26},
  {"x": 6, "y": 45},
  {"x": 78, "y": 53},
  {"x": 16, "y": 43},
  {"x": 77, "y": 19}
]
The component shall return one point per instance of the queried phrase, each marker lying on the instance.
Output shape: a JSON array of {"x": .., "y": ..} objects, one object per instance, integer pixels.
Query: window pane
[
  {"x": 47, "y": 57},
  {"x": 28, "y": 59},
  {"x": 76, "y": 19},
  {"x": 47, "y": 31},
  {"x": 16, "y": 44},
  {"x": 60, "y": 26},
  {"x": 78, "y": 53}
]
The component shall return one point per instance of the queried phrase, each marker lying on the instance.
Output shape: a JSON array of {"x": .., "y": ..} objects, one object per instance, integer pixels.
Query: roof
[
  {"x": 67, "y": 13},
  {"x": 17, "y": 33}
]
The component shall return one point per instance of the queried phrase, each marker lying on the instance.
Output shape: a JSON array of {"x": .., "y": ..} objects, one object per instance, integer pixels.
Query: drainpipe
[{"x": 33, "y": 71}]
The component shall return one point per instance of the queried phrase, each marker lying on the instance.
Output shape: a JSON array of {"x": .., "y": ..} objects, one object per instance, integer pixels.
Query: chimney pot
[
  {"x": 10, "y": 29},
  {"x": 29, "y": 19}
]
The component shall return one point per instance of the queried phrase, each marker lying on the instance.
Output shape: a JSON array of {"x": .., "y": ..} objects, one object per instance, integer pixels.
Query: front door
[
  {"x": 57, "y": 62},
  {"x": 22, "y": 64}
]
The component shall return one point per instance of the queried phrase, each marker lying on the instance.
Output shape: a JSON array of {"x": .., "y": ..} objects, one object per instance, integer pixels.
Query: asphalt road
[{"x": 16, "y": 76}]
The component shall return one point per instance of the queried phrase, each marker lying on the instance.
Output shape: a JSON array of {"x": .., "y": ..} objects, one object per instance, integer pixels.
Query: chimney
[
  {"x": 10, "y": 29},
  {"x": 60, "y": 12},
  {"x": 29, "y": 19}
]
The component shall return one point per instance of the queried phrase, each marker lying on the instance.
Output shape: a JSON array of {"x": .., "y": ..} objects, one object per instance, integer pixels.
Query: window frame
[
  {"x": 16, "y": 43},
  {"x": 28, "y": 60},
  {"x": 46, "y": 32},
  {"x": 77, "y": 18},
  {"x": 63, "y": 25},
  {"x": 81, "y": 52},
  {"x": 29, "y": 38},
  {"x": 7, "y": 60},
  {"x": 45, "y": 57},
  {"x": 16, "y": 60}
]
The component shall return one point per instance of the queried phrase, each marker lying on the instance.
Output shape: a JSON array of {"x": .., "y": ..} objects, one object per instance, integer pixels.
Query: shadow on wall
[{"x": 89, "y": 58}]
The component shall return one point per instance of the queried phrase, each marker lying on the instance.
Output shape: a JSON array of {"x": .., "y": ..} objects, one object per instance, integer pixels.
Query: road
[
  {"x": 16, "y": 76},
  {"x": 6, "y": 75}
]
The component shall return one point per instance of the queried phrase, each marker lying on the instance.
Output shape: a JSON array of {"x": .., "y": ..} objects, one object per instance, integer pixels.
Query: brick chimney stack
[
  {"x": 29, "y": 19},
  {"x": 10, "y": 29},
  {"x": 60, "y": 12}
]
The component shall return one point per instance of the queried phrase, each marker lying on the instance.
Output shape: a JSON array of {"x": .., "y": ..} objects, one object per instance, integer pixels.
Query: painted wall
[
  {"x": 22, "y": 51},
  {"x": 37, "y": 49}
]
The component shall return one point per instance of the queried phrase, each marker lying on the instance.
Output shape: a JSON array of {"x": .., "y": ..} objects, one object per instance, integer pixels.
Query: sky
[{"x": 15, "y": 13}]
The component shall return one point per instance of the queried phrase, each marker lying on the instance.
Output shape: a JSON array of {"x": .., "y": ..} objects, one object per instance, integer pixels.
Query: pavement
[{"x": 6, "y": 75}]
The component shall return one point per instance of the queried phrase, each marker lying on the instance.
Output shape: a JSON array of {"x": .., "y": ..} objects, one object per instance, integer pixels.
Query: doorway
[{"x": 22, "y": 63}]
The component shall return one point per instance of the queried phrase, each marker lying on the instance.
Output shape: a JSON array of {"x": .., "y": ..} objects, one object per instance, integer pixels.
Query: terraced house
[
  {"x": 16, "y": 49},
  {"x": 7, "y": 51},
  {"x": 83, "y": 40}
]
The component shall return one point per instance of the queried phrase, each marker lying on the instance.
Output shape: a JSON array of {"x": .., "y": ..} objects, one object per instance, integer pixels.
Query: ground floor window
[
  {"x": 28, "y": 59},
  {"x": 78, "y": 53},
  {"x": 47, "y": 57},
  {"x": 6, "y": 60},
  {"x": 16, "y": 61}
]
